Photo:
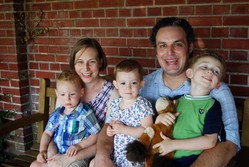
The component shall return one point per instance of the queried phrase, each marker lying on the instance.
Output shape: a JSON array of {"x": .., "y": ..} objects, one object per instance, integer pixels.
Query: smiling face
[
  {"x": 206, "y": 72},
  {"x": 172, "y": 50},
  {"x": 87, "y": 64},
  {"x": 128, "y": 84}
]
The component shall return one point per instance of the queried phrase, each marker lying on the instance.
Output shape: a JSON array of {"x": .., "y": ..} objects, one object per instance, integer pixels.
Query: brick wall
[{"x": 123, "y": 28}]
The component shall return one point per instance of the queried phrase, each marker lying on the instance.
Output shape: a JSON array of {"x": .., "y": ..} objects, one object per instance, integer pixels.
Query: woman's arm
[{"x": 104, "y": 149}]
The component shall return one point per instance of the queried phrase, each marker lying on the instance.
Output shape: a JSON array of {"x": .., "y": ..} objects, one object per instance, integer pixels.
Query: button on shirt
[{"x": 73, "y": 128}]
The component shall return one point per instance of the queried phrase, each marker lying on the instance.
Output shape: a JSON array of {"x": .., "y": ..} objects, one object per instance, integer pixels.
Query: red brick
[
  {"x": 235, "y": 43},
  {"x": 138, "y": 42},
  {"x": 7, "y": 41},
  {"x": 112, "y": 22},
  {"x": 111, "y": 3},
  {"x": 206, "y": 2},
  {"x": 139, "y": 12},
  {"x": 240, "y": 91},
  {"x": 87, "y": 23},
  {"x": 113, "y": 42},
  {"x": 202, "y": 32},
  {"x": 125, "y": 52},
  {"x": 39, "y": 6},
  {"x": 154, "y": 11},
  {"x": 112, "y": 32},
  {"x": 10, "y": 33},
  {"x": 74, "y": 14},
  {"x": 238, "y": 67},
  {"x": 99, "y": 33},
  {"x": 75, "y": 32},
  {"x": 45, "y": 74},
  {"x": 170, "y": 11},
  {"x": 11, "y": 91},
  {"x": 9, "y": 74},
  {"x": 53, "y": 49},
  {"x": 203, "y": 10},
  {"x": 87, "y": 33},
  {"x": 238, "y": 55},
  {"x": 98, "y": 13},
  {"x": 85, "y": 4},
  {"x": 4, "y": 82},
  {"x": 47, "y": 58},
  {"x": 64, "y": 50},
  {"x": 8, "y": 58},
  {"x": 43, "y": 49},
  {"x": 205, "y": 21},
  {"x": 44, "y": 66},
  {"x": 85, "y": 14},
  {"x": 186, "y": 10},
  {"x": 54, "y": 67},
  {"x": 140, "y": 22},
  {"x": 239, "y": 32},
  {"x": 125, "y": 33},
  {"x": 236, "y": 1},
  {"x": 4, "y": 66},
  {"x": 139, "y": 3},
  {"x": 220, "y": 32},
  {"x": 63, "y": 58},
  {"x": 111, "y": 51},
  {"x": 62, "y": 6},
  {"x": 208, "y": 43},
  {"x": 236, "y": 20},
  {"x": 139, "y": 52},
  {"x": 239, "y": 79},
  {"x": 221, "y": 9},
  {"x": 111, "y": 13},
  {"x": 139, "y": 32},
  {"x": 124, "y": 12},
  {"x": 169, "y": 2},
  {"x": 33, "y": 65}
]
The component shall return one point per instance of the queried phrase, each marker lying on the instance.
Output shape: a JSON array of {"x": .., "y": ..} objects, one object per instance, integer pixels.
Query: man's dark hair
[{"x": 173, "y": 22}]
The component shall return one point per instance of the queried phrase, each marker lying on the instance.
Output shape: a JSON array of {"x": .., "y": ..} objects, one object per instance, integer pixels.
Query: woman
[{"x": 88, "y": 60}]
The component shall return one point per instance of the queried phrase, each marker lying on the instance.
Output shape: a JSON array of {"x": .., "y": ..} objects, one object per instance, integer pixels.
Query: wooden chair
[{"x": 47, "y": 101}]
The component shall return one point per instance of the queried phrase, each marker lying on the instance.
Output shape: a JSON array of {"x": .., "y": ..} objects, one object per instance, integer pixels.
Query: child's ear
[
  {"x": 56, "y": 92},
  {"x": 82, "y": 90},
  {"x": 189, "y": 73},
  {"x": 115, "y": 83},
  {"x": 142, "y": 83}
]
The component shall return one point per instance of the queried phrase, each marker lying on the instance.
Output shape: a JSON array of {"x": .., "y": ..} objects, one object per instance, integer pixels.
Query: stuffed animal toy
[{"x": 142, "y": 151}]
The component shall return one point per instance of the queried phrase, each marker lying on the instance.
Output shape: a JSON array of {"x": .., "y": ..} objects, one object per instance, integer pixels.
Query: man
[{"x": 173, "y": 40}]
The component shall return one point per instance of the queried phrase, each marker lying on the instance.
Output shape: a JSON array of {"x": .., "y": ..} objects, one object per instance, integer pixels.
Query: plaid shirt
[
  {"x": 154, "y": 88},
  {"x": 73, "y": 128}
]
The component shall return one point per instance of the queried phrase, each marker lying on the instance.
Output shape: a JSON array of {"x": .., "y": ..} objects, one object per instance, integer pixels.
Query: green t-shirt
[{"x": 198, "y": 116}]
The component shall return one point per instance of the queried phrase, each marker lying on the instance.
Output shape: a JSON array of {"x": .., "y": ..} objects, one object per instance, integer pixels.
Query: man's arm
[
  {"x": 104, "y": 149},
  {"x": 218, "y": 156}
]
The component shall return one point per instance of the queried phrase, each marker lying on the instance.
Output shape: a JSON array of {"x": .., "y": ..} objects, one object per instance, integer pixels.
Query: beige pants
[{"x": 82, "y": 163}]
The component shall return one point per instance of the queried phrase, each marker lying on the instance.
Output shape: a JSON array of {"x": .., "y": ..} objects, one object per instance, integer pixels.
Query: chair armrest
[{"x": 9, "y": 126}]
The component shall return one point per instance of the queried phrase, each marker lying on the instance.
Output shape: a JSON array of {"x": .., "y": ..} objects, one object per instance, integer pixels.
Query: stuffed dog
[{"x": 141, "y": 150}]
